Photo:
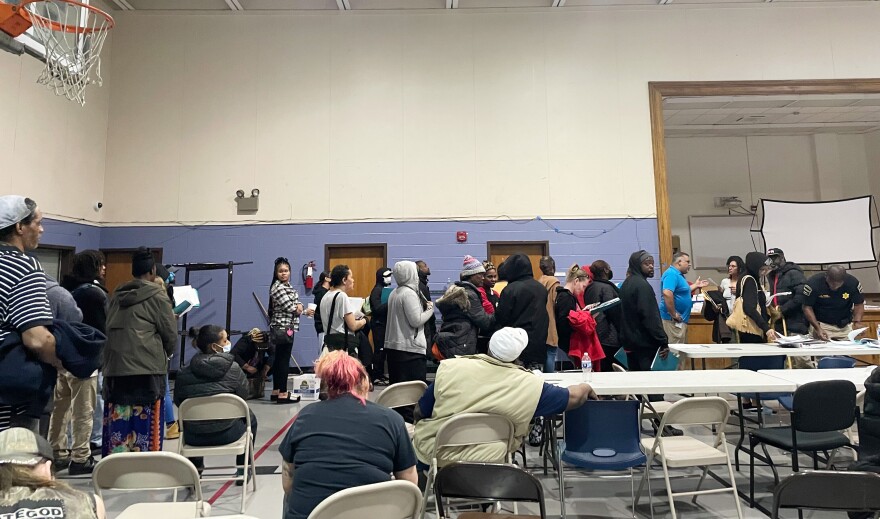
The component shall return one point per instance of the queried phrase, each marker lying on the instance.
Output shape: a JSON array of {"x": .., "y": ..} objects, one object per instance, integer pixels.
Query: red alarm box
[{"x": 461, "y": 236}]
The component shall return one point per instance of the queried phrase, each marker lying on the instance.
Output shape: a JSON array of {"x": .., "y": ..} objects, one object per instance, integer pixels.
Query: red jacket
[{"x": 584, "y": 338}]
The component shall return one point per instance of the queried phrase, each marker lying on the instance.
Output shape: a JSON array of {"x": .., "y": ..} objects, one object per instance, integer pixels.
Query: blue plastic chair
[
  {"x": 602, "y": 435},
  {"x": 787, "y": 402}
]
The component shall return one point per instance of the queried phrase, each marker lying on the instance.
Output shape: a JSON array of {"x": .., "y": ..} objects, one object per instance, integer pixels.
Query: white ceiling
[
  {"x": 365, "y": 5},
  {"x": 771, "y": 115}
]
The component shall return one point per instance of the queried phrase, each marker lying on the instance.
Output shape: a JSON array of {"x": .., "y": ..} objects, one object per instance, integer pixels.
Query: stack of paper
[{"x": 185, "y": 299}]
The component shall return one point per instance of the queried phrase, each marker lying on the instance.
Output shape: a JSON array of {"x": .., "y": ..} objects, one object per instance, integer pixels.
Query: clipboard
[{"x": 620, "y": 356}]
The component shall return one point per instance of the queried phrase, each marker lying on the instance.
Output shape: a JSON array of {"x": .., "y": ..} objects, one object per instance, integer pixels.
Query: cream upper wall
[
  {"x": 412, "y": 115},
  {"x": 53, "y": 150}
]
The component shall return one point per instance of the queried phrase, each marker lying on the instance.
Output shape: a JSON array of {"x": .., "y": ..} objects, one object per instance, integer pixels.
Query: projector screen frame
[{"x": 873, "y": 216}]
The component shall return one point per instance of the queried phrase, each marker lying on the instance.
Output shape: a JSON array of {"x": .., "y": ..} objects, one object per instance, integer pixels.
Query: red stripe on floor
[{"x": 265, "y": 446}]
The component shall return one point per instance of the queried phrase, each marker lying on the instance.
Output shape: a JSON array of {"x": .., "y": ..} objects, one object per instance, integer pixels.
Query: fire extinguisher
[{"x": 307, "y": 271}]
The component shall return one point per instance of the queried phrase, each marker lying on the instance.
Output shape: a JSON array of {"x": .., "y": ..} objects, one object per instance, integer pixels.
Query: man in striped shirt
[{"x": 24, "y": 307}]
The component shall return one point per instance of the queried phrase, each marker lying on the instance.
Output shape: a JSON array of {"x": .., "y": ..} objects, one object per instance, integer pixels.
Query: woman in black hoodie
[
  {"x": 212, "y": 372},
  {"x": 754, "y": 300},
  {"x": 378, "y": 317},
  {"x": 600, "y": 291}
]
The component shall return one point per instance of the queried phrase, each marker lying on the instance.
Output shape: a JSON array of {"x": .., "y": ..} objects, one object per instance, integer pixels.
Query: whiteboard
[{"x": 716, "y": 238}]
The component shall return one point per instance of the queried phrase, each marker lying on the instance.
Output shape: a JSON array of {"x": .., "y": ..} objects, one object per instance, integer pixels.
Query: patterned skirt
[{"x": 133, "y": 428}]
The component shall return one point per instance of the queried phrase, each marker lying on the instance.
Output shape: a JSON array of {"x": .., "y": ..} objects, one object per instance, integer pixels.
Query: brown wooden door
[
  {"x": 500, "y": 251},
  {"x": 119, "y": 267},
  {"x": 363, "y": 260}
]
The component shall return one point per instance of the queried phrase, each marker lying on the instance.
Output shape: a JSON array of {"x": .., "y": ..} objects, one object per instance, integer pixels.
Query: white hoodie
[{"x": 405, "y": 328}]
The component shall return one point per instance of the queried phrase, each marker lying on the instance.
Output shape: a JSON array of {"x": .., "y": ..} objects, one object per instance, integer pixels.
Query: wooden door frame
[
  {"x": 65, "y": 257},
  {"x": 657, "y": 90},
  {"x": 328, "y": 246},
  {"x": 544, "y": 243}
]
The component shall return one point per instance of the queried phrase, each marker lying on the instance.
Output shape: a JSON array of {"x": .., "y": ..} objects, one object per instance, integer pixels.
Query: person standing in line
[
  {"x": 490, "y": 296},
  {"x": 405, "y": 335},
  {"x": 676, "y": 304},
  {"x": 754, "y": 300},
  {"x": 736, "y": 268},
  {"x": 602, "y": 290},
  {"x": 86, "y": 284},
  {"x": 833, "y": 303},
  {"x": 75, "y": 399},
  {"x": 523, "y": 305},
  {"x": 464, "y": 318},
  {"x": 548, "y": 278},
  {"x": 786, "y": 276},
  {"x": 641, "y": 328},
  {"x": 284, "y": 311},
  {"x": 318, "y": 292},
  {"x": 24, "y": 306},
  {"x": 431, "y": 325},
  {"x": 576, "y": 282},
  {"x": 141, "y": 335},
  {"x": 342, "y": 320},
  {"x": 379, "y": 308}
]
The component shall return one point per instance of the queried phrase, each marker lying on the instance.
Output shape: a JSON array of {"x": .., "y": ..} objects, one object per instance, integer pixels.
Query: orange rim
[{"x": 73, "y": 29}]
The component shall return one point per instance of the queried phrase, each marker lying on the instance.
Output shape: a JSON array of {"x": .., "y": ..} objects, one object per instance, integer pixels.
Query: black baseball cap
[{"x": 775, "y": 252}]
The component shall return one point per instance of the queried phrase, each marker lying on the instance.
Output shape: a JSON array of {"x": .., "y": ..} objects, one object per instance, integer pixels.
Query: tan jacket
[
  {"x": 550, "y": 283},
  {"x": 479, "y": 384}
]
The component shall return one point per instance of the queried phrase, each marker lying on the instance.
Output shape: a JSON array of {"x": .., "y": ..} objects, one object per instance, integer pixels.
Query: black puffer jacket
[
  {"x": 790, "y": 278},
  {"x": 640, "y": 325},
  {"x": 209, "y": 375},
  {"x": 523, "y": 304},
  {"x": 607, "y": 322},
  {"x": 869, "y": 426},
  {"x": 463, "y": 320}
]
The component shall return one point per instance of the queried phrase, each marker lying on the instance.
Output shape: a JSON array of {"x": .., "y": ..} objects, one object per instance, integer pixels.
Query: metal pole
[{"x": 229, "y": 297}]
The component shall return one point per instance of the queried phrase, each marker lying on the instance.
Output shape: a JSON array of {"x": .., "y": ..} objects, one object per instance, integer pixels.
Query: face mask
[
  {"x": 226, "y": 347},
  {"x": 386, "y": 279}
]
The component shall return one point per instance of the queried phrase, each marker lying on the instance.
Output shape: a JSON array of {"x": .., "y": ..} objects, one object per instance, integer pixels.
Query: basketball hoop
[{"x": 73, "y": 35}]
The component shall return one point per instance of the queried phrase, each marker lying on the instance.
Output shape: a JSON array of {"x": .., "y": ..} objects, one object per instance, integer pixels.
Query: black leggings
[
  {"x": 224, "y": 437},
  {"x": 281, "y": 366}
]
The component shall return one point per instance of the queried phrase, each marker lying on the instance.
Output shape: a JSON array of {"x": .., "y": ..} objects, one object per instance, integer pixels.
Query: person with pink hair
[{"x": 342, "y": 442}]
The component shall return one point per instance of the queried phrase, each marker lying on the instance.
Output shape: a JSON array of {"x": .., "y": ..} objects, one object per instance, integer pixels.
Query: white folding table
[
  {"x": 736, "y": 350},
  {"x": 710, "y": 381},
  {"x": 803, "y": 376}
]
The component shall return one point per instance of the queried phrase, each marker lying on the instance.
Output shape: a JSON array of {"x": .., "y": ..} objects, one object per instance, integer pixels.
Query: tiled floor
[{"x": 590, "y": 497}]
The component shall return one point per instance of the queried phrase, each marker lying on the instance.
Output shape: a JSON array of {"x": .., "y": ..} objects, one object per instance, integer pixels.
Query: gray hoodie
[
  {"x": 407, "y": 315},
  {"x": 62, "y": 303}
]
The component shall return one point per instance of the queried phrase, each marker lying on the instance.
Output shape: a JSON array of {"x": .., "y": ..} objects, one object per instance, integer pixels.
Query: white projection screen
[{"x": 815, "y": 233}]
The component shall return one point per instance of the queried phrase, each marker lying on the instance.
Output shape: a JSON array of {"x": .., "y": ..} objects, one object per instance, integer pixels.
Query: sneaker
[
  {"x": 381, "y": 381},
  {"x": 173, "y": 431},
  {"x": 95, "y": 447},
  {"x": 61, "y": 463},
  {"x": 239, "y": 473},
  {"x": 81, "y": 469},
  {"x": 672, "y": 431}
]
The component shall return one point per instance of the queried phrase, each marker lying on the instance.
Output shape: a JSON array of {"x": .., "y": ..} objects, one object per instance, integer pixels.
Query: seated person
[
  {"x": 28, "y": 485},
  {"x": 212, "y": 372},
  {"x": 255, "y": 355},
  {"x": 342, "y": 442},
  {"x": 490, "y": 383}
]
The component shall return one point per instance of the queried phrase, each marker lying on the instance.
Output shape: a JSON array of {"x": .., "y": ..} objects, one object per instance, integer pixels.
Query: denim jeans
[{"x": 550, "y": 364}]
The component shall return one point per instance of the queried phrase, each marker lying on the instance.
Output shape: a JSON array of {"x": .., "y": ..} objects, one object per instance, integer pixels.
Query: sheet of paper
[
  {"x": 855, "y": 333},
  {"x": 186, "y": 293}
]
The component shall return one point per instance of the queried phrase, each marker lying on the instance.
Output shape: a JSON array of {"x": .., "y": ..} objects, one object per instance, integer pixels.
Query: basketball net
[{"x": 73, "y": 35}]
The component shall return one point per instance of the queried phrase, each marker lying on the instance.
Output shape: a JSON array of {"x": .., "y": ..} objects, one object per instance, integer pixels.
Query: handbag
[
  {"x": 340, "y": 341},
  {"x": 738, "y": 319},
  {"x": 281, "y": 335}
]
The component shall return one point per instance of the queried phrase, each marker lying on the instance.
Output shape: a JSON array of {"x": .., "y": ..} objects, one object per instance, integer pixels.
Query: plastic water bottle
[{"x": 587, "y": 367}]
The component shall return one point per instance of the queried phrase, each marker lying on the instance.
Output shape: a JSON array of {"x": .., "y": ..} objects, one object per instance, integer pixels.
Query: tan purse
[{"x": 738, "y": 319}]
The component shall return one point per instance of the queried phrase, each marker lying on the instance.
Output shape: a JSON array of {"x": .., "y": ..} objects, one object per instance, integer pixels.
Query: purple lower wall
[{"x": 582, "y": 241}]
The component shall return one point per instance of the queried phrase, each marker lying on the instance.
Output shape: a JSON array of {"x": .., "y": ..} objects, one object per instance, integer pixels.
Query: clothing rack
[{"x": 201, "y": 267}]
